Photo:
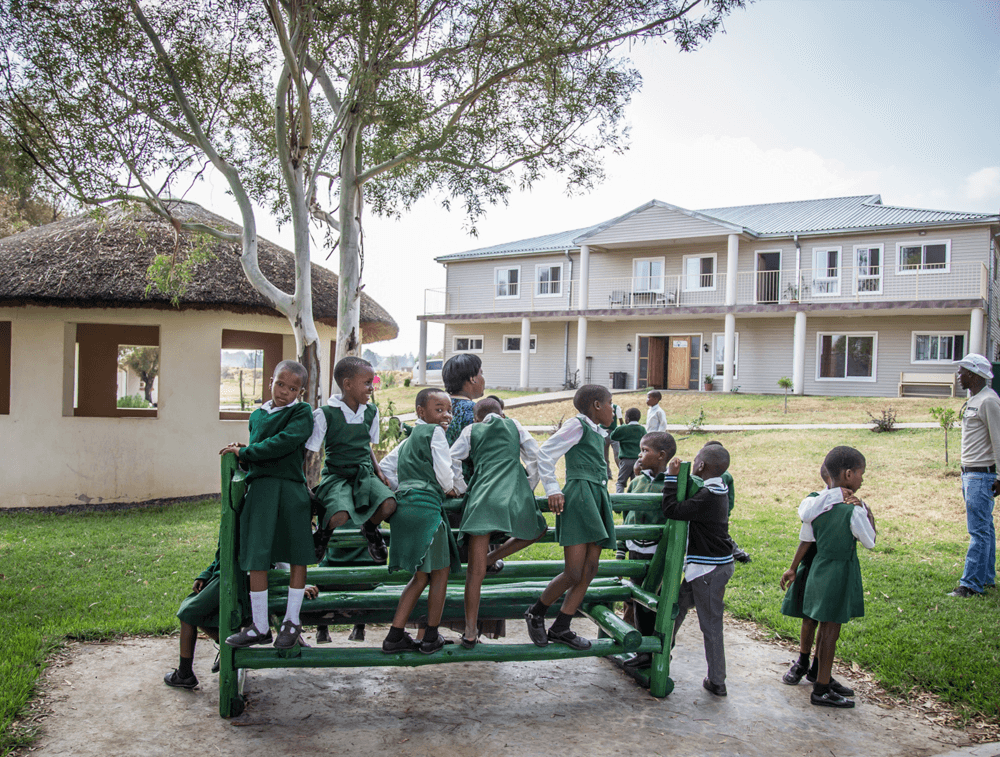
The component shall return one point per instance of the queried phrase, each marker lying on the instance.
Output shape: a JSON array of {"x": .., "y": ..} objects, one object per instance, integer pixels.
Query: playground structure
[{"x": 654, "y": 584}]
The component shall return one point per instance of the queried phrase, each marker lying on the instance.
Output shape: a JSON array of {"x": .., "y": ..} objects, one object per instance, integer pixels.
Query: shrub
[
  {"x": 133, "y": 401},
  {"x": 885, "y": 422}
]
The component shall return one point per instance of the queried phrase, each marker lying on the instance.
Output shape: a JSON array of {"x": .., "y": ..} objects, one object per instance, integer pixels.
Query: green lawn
[{"x": 98, "y": 576}]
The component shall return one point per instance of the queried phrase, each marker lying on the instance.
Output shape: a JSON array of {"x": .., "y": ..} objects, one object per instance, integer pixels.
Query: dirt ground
[{"x": 109, "y": 699}]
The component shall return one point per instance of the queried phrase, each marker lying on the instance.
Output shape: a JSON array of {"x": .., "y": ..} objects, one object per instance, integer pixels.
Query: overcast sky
[{"x": 799, "y": 99}]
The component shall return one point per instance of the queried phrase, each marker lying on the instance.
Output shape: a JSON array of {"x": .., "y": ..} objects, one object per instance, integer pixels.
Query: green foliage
[
  {"x": 388, "y": 379},
  {"x": 884, "y": 422},
  {"x": 172, "y": 274},
  {"x": 406, "y": 382},
  {"x": 709, "y": 379},
  {"x": 785, "y": 383},
  {"x": 694, "y": 425},
  {"x": 948, "y": 418},
  {"x": 390, "y": 432},
  {"x": 133, "y": 401}
]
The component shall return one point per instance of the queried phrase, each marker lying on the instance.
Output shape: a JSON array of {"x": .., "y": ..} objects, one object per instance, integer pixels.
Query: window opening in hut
[
  {"x": 116, "y": 371},
  {"x": 248, "y": 359},
  {"x": 5, "y": 367}
]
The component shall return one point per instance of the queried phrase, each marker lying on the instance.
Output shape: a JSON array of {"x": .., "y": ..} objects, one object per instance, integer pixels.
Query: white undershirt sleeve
[
  {"x": 862, "y": 528},
  {"x": 557, "y": 445},
  {"x": 315, "y": 441},
  {"x": 441, "y": 456},
  {"x": 374, "y": 433},
  {"x": 389, "y": 465}
]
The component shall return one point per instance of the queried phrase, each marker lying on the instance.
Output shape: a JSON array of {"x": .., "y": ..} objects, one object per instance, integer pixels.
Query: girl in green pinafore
[
  {"x": 352, "y": 486},
  {"x": 422, "y": 542},
  {"x": 584, "y": 520},
  {"x": 500, "y": 498}
]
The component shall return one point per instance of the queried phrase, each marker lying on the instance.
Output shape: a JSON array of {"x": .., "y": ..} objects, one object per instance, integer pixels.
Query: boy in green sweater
[
  {"x": 276, "y": 515},
  {"x": 627, "y": 437}
]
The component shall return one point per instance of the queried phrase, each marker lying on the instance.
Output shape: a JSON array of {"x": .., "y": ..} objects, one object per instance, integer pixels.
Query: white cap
[{"x": 976, "y": 364}]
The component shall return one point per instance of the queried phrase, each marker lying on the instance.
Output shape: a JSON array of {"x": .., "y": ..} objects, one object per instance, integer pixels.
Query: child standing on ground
[
  {"x": 656, "y": 419},
  {"x": 584, "y": 520},
  {"x": 628, "y": 436},
  {"x": 727, "y": 478},
  {"x": 276, "y": 515},
  {"x": 500, "y": 497},
  {"x": 708, "y": 565},
  {"x": 352, "y": 486},
  {"x": 422, "y": 542},
  {"x": 833, "y": 592}
]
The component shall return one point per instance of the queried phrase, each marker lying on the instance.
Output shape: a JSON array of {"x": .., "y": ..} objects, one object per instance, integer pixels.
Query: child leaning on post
[
  {"x": 275, "y": 520},
  {"x": 584, "y": 519},
  {"x": 739, "y": 555},
  {"x": 422, "y": 542},
  {"x": 627, "y": 436}
]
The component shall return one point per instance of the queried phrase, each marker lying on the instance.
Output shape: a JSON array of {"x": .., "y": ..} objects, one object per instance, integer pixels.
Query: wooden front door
[
  {"x": 654, "y": 370},
  {"x": 678, "y": 362}
]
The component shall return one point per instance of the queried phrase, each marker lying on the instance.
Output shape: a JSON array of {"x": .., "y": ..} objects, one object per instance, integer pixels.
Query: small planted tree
[
  {"x": 947, "y": 417},
  {"x": 785, "y": 383}
]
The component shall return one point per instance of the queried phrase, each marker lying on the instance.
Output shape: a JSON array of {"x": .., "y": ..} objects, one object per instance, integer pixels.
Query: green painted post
[
  {"x": 231, "y": 701},
  {"x": 671, "y": 568}
]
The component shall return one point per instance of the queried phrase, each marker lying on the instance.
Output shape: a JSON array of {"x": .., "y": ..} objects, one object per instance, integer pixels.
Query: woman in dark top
[{"x": 464, "y": 381}]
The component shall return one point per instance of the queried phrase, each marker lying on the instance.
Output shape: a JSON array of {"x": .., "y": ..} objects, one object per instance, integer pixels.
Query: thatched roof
[{"x": 86, "y": 261}]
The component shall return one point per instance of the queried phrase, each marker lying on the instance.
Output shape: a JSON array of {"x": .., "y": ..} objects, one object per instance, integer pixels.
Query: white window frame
[
  {"x": 736, "y": 355},
  {"x": 650, "y": 278},
  {"x": 715, "y": 272},
  {"x": 496, "y": 282},
  {"x": 939, "y": 361},
  {"x": 815, "y": 269},
  {"x": 921, "y": 269},
  {"x": 533, "y": 341},
  {"x": 470, "y": 337},
  {"x": 819, "y": 356},
  {"x": 857, "y": 268},
  {"x": 539, "y": 267}
]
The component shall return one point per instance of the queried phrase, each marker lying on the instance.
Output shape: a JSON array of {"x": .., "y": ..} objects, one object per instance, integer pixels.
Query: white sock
[
  {"x": 294, "y": 605},
  {"x": 258, "y": 604}
]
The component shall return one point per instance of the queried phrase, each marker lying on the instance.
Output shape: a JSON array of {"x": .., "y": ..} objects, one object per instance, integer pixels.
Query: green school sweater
[
  {"x": 629, "y": 436},
  {"x": 277, "y": 443}
]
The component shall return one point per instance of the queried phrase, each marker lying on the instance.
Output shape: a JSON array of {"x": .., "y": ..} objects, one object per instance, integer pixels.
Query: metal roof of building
[{"x": 770, "y": 219}]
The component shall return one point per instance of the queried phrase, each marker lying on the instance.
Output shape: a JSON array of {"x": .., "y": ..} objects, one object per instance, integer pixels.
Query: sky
[{"x": 797, "y": 100}]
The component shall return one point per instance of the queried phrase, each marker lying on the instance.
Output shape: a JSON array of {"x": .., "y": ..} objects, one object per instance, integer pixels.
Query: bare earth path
[{"x": 108, "y": 699}]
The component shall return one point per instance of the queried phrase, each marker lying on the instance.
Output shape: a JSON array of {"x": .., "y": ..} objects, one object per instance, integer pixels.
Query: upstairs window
[
  {"x": 937, "y": 347},
  {"x": 512, "y": 343},
  {"x": 826, "y": 271},
  {"x": 508, "y": 282},
  {"x": 699, "y": 272},
  {"x": 647, "y": 275},
  {"x": 5, "y": 367},
  {"x": 868, "y": 261},
  {"x": 924, "y": 256},
  {"x": 467, "y": 344},
  {"x": 549, "y": 280}
]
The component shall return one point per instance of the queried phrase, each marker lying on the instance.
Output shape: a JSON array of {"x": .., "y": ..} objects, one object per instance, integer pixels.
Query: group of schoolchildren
[{"x": 504, "y": 464}]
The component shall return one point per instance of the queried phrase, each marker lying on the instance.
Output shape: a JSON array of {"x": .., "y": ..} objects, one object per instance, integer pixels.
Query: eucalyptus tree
[{"x": 319, "y": 110}]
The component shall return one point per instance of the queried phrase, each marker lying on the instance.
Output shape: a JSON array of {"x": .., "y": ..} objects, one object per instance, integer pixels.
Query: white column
[
  {"x": 799, "y": 354},
  {"x": 584, "y": 282},
  {"x": 976, "y": 331},
  {"x": 732, "y": 262},
  {"x": 420, "y": 371},
  {"x": 581, "y": 349},
  {"x": 525, "y": 351},
  {"x": 729, "y": 353}
]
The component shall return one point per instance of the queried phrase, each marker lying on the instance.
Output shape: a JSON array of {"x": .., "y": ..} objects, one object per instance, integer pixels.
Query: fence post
[{"x": 230, "y": 585}]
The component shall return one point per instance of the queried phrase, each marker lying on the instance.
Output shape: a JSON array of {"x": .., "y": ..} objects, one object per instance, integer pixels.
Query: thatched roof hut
[{"x": 100, "y": 261}]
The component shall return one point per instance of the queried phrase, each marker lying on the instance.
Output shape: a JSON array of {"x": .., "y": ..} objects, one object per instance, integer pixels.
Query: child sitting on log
[
  {"x": 500, "y": 497},
  {"x": 584, "y": 519},
  {"x": 655, "y": 452},
  {"x": 833, "y": 593},
  {"x": 352, "y": 486},
  {"x": 276, "y": 515},
  {"x": 422, "y": 542},
  {"x": 708, "y": 565}
]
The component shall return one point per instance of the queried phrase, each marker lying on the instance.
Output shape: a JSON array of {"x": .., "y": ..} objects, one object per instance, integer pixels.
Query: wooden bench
[
  {"x": 922, "y": 382},
  {"x": 655, "y": 584}
]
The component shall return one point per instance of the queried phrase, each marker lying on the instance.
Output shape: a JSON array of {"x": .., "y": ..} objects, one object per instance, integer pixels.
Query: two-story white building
[{"x": 842, "y": 295}]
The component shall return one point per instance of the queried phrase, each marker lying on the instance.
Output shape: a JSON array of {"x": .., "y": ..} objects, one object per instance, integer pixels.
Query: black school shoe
[
  {"x": 495, "y": 567},
  {"x": 569, "y": 638},
  {"x": 406, "y": 644},
  {"x": 430, "y": 647},
  {"x": 323, "y": 635},
  {"x": 719, "y": 689},
  {"x": 830, "y": 699},
  {"x": 217, "y": 665},
  {"x": 321, "y": 538},
  {"x": 835, "y": 685},
  {"x": 794, "y": 674},
  {"x": 377, "y": 550},
  {"x": 963, "y": 592},
  {"x": 536, "y": 629},
  {"x": 173, "y": 678},
  {"x": 357, "y": 633}
]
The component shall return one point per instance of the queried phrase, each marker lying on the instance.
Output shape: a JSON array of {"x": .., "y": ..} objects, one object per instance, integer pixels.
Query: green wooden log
[
  {"x": 259, "y": 658},
  {"x": 348, "y": 539},
  {"x": 619, "y": 503},
  {"x": 623, "y": 634},
  {"x": 231, "y": 701},
  {"x": 643, "y": 597}
]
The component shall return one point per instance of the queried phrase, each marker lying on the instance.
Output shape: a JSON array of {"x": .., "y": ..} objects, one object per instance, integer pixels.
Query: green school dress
[
  {"x": 421, "y": 539},
  {"x": 202, "y": 609},
  {"x": 499, "y": 496},
  {"x": 833, "y": 593},
  {"x": 629, "y": 436},
  {"x": 587, "y": 517},
  {"x": 349, "y": 483},
  {"x": 275, "y": 519},
  {"x": 791, "y": 605}
]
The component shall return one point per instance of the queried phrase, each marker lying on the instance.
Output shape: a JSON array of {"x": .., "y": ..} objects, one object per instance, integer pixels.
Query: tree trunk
[
  {"x": 349, "y": 293},
  {"x": 148, "y": 382},
  {"x": 946, "y": 446}
]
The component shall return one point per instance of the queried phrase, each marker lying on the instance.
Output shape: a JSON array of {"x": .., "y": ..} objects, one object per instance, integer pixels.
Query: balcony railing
[{"x": 968, "y": 280}]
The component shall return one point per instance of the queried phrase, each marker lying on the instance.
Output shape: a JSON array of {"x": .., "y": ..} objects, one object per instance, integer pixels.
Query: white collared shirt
[
  {"x": 566, "y": 436},
  {"x": 353, "y": 417},
  {"x": 812, "y": 507},
  {"x": 440, "y": 456},
  {"x": 269, "y": 407},
  {"x": 656, "y": 420},
  {"x": 531, "y": 454}
]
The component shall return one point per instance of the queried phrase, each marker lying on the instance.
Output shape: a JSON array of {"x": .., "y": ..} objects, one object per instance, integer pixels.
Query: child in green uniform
[
  {"x": 422, "y": 543},
  {"x": 500, "y": 497},
  {"x": 833, "y": 592},
  {"x": 584, "y": 520},
  {"x": 352, "y": 487},
  {"x": 274, "y": 522},
  {"x": 628, "y": 436}
]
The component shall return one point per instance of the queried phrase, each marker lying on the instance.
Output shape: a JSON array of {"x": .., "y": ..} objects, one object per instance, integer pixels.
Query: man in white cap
[{"x": 980, "y": 457}]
